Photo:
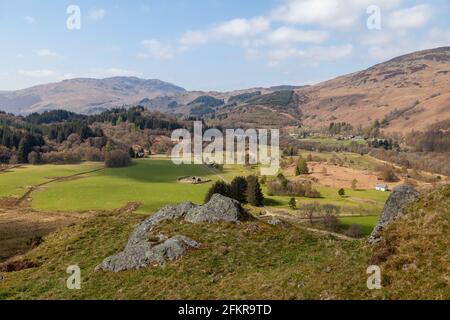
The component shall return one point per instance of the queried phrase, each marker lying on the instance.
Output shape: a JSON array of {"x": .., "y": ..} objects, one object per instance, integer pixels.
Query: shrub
[
  {"x": 93, "y": 154},
  {"x": 220, "y": 187},
  {"x": 5, "y": 154},
  {"x": 117, "y": 159},
  {"x": 293, "y": 204},
  {"x": 355, "y": 231},
  {"x": 387, "y": 173},
  {"x": 302, "y": 168},
  {"x": 331, "y": 222},
  {"x": 33, "y": 157},
  {"x": 254, "y": 193},
  {"x": 238, "y": 189},
  {"x": 309, "y": 210}
]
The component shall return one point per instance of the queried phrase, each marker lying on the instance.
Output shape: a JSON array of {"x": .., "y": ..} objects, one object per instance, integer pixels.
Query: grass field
[
  {"x": 333, "y": 141},
  {"x": 367, "y": 223},
  {"x": 14, "y": 182},
  {"x": 152, "y": 182},
  {"x": 354, "y": 202}
]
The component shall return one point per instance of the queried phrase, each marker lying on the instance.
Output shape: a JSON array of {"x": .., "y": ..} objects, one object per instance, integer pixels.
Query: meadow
[
  {"x": 151, "y": 182},
  {"x": 14, "y": 182}
]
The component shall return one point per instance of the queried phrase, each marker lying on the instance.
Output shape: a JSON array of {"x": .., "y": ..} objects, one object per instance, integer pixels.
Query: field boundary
[{"x": 57, "y": 179}]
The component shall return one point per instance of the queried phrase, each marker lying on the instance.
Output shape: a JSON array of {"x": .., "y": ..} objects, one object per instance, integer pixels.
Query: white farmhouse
[{"x": 382, "y": 187}]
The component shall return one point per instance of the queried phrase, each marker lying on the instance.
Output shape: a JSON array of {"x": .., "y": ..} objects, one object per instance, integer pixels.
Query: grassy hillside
[
  {"x": 251, "y": 260},
  {"x": 245, "y": 261},
  {"x": 415, "y": 255}
]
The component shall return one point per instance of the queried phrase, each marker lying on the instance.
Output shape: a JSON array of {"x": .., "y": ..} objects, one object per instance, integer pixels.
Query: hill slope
[
  {"x": 250, "y": 260},
  {"x": 410, "y": 92}
]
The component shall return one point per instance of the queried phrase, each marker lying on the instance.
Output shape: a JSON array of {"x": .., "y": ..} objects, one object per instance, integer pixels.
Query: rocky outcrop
[
  {"x": 219, "y": 208},
  {"x": 401, "y": 197},
  {"x": 144, "y": 249},
  {"x": 149, "y": 252}
]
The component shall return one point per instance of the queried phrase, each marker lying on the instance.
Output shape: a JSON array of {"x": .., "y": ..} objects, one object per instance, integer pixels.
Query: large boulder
[
  {"x": 149, "y": 252},
  {"x": 400, "y": 198},
  {"x": 166, "y": 213},
  {"x": 219, "y": 208},
  {"x": 143, "y": 249}
]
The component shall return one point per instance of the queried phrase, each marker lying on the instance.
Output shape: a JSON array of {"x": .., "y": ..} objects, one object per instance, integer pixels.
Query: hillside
[
  {"x": 249, "y": 260},
  {"x": 409, "y": 92}
]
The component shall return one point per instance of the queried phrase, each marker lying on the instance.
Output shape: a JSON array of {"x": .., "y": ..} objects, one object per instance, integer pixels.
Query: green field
[
  {"x": 152, "y": 182},
  {"x": 333, "y": 141},
  {"x": 354, "y": 202},
  {"x": 367, "y": 223},
  {"x": 14, "y": 182}
]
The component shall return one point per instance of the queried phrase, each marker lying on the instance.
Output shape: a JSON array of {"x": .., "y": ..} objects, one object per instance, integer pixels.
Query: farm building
[{"x": 382, "y": 187}]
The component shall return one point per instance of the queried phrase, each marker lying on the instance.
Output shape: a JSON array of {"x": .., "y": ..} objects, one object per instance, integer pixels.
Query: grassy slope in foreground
[
  {"x": 152, "y": 182},
  {"x": 251, "y": 260},
  {"x": 242, "y": 261}
]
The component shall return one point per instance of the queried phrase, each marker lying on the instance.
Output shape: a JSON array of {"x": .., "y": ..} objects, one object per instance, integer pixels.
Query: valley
[{"x": 78, "y": 175}]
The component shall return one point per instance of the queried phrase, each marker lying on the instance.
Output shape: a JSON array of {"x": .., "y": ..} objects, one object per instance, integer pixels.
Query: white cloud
[
  {"x": 437, "y": 37},
  {"x": 41, "y": 73},
  {"x": 108, "y": 72},
  {"x": 157, "y": 50},
  {"x": 327, "y": 13},
  {"x": 30, "y": 19},
  {"x": 287, "y": 35},
  {"x": 242, "y": 27},
  {"x": 414, "y": 17},
  {"x": 46, "y": 53},
  {"x": 194, "y": 38},
  {"x": 97, "y": 14},
  {"x": 377, "y": 38},
  {"x": 313, "y": 54}
]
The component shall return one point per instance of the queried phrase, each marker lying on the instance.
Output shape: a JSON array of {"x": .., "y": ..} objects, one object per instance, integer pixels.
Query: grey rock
[
  {"x": 274, "y": 221},
  {"x": 166, "y": 213},
  {"x": 145, "y": 249},
  {"x": 219, "y": 208},
  {"x": 400, "y": 198},
  {"x": 409, "y": 266},
  {"x": 146, "y": 253}
]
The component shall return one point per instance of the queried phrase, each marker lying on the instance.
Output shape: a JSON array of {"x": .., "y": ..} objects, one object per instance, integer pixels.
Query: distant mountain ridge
[
  {"x": 84, "y": 95},
  {"x": 405, "y": 93}
]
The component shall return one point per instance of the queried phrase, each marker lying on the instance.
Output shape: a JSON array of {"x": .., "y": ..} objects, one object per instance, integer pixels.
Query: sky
[{"x": 211, "y": 44}]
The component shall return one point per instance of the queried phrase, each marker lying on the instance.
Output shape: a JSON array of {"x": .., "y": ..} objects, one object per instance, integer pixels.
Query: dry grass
[{"x": 415, "y": 252}]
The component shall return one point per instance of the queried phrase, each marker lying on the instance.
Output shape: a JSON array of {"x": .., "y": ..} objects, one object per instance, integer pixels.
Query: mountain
[
  {"x": 85, "y": 95},
  {"x": 405, "y": 93}
]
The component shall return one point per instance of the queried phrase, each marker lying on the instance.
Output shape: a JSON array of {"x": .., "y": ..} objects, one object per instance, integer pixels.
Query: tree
[
  {"x": 388, "y": 174},
  {"x": 238, "y": 189},
  {"x": 309, "y": 210},
  {"x": 33, "y": 157},
  {"x": 254, "y": 193},
  {"x": 117, "y": 159},
  {"x": 302, "y": 168},
  {"x": 132, "y": 153},
  {"x": 24, "y": 149},
  {"x": 341, "y": 192},
  {"x": 293, "y": 204},
  {"x": 220, "y": 187},
  {"x": 354, "y": 184}
]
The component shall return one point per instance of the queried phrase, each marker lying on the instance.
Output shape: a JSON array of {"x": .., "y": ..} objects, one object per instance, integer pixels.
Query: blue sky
[{"x": 211, "y": 44}]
